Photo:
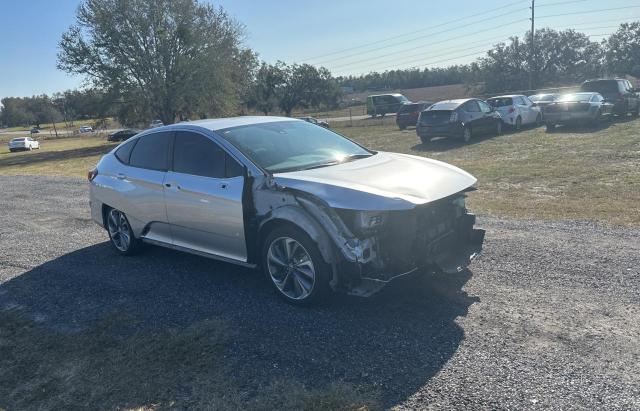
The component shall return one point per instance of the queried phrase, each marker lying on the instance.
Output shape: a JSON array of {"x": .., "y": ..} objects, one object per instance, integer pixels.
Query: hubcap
[
  {"x": 291, "y": 268},
  {"x": 119, "y": 230}
]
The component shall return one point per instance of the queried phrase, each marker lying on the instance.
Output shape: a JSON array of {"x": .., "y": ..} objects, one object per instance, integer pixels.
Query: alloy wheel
[
  {"x": 119, "y": 230},
  {"x": 291, "y": 268}
]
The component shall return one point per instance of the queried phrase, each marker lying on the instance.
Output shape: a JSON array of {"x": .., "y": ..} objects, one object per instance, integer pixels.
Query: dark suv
[
  {"x": 458, "y": 118},
  {"x": 619, "y": 92}
]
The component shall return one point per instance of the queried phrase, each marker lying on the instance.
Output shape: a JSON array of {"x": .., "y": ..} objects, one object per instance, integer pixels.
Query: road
[{"x": 547, "y": 318}]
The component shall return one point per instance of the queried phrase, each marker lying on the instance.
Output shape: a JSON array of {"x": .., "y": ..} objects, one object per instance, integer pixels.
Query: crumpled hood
[{"x": 385, "y": 181}]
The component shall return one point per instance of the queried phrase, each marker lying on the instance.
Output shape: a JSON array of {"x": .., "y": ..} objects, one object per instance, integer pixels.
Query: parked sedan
[
  {"x": 543, "y": 100},
  {"x": 516, "y": 110},
  {"x": 459, "y": 119},
  {"x": 35, "y": 130},
  {"x": 122, "y": 135},
  {"x": 409, "y": 113},
  {"x": 313, "y": 209},
  {"x": 86, "y": 129},
  {"x": 315, "y": 121},
  {"x": 23, "y": 143},
  {"x": 578, "y": 108}
]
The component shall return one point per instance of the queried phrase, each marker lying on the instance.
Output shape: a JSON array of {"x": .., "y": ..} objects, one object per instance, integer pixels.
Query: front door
[{"x": 203, "y": 194}]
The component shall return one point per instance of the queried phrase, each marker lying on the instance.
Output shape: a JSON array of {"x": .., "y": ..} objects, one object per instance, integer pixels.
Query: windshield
[
  {"x": 581, "y": 97},
  {"x": 500, "y": 102},
  {"x": 543, "y": 97},
  {"x": 15, "y": 140},
  {"x": 292, "y": 145}
]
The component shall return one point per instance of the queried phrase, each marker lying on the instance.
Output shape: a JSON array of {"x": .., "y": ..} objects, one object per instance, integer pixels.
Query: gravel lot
[{"x": 548, "y": 316}]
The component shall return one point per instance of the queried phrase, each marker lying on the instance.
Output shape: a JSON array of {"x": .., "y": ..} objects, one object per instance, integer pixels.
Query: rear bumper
[
  {"x": 445, "y": 130},
  {"x": 568, "y": 117}
]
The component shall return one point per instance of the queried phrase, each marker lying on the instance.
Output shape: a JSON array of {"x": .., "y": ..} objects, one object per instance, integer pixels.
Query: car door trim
[{"x": 199, "y": 253}]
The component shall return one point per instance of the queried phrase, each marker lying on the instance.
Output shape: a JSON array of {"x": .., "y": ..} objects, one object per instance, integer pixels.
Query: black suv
[{"x": 619, "y": 92}]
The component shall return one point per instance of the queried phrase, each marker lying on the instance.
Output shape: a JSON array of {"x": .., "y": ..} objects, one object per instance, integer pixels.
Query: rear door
[
  {"x": 475, "y": 117},
  {"x": 204, "y": 197},
  {"x": 142, "y": 184}
]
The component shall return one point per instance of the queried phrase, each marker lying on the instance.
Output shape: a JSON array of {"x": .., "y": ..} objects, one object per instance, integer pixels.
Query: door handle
[
  {"x": 223, "y": 185},
  {"x": 121, "y": 176}
]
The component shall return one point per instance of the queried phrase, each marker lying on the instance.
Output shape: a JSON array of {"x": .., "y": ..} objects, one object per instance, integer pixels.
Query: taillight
[
  {"x": 93, "y": 173},
  {"x": 454, "y": 117},
  {"x": 511, "y": 110}
]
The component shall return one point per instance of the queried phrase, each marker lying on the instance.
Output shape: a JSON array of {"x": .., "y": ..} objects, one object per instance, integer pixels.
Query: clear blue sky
[{"x": 297, "y": 31}]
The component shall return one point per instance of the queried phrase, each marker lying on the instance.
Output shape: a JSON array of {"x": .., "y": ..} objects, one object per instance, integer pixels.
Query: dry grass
[
  {"x": 117, "y": 364},
  {"x": 72, "y": 156},
  {"x": 570, "y": 174}
]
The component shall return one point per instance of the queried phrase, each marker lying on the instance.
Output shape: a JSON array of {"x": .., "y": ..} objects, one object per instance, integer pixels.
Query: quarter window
[
  {"x": 124, "y": 151},
  {"x": 151, "y": 151}
]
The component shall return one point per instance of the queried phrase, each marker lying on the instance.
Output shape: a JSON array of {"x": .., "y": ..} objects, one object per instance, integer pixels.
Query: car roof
[
  {"x": 222, "y": 123},
  {"x": 508, "y": 96},
  {"x": 386, "y": 94}
]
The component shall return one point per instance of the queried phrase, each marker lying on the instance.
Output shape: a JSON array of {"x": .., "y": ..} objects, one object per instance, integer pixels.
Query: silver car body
[{"x": 226, "y": 218}]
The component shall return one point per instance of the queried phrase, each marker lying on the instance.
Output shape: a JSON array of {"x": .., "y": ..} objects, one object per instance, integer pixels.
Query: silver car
[{"x": 313, "y": 209}]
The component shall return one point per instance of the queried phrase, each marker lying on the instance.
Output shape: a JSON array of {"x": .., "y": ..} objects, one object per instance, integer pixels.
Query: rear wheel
[
  {"x": 467, "y": 134},
  {"x": 293, "y": 264},
  {"x": 120, "y": 232},
  {"x": 550, "y": 127}
]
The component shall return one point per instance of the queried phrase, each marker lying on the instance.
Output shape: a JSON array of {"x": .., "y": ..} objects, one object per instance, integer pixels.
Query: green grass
[
  {"x": 568, "y": 174},
  {"x": 117, "y": 364}
]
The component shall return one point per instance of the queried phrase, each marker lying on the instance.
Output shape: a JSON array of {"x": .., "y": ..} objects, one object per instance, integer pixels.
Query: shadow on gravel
[{"x": 390, "y": 345}]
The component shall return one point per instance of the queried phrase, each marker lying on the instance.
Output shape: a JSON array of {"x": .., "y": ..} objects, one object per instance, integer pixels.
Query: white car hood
[{"x": 385, "y": 181}]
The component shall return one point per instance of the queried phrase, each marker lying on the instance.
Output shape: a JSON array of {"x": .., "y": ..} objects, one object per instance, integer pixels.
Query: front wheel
[
  {"x": 120, "y": 233},
  {"x": 293, "y": 264}
]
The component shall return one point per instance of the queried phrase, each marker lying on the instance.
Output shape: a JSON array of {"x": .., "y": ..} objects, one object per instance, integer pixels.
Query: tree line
[{"x": 175, "y": 60}]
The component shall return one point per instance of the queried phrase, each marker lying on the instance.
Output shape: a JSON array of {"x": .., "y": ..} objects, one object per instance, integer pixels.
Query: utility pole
[{"x": 533, "y": 48}]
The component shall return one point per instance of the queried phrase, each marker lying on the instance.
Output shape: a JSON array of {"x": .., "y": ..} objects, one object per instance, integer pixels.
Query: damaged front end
[
  {"x": 375, "y": 247},
  {"x": 437, "y": 236}
]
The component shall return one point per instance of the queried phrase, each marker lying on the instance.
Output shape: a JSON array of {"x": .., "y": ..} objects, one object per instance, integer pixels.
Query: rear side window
[
  {"x": 471, "y": 106},
  {"x": 151, "y": 151},
  {"x": 124, "y": 151},
  {"x": 500, "y": 102},
  {"x": 197, "y": 155},
  {"x": 601, "y": 86}
]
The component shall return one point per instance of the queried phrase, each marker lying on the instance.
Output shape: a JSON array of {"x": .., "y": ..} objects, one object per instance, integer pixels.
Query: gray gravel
[{"x": 548, "y": 316}]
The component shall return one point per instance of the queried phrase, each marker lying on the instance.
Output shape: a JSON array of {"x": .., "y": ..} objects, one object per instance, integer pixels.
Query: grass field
[
  {"x": 59, "y": 125},
  {"x": 569, "y": 174}
]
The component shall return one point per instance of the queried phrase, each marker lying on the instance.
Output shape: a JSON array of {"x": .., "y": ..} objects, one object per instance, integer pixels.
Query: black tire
[
  {"x": 518, "y": 125},
  {"x": 539, "y": 120},
  {"x": 467, "y": 134},
  {"x": 597, "y": 120},
  {"x": 550, "y": 127},
  {"x": 133, "y": 244},
  {"x": 498, "y": 127},
  {"x": 320, "y": 284},
  {"x": 11, "y": 150}
]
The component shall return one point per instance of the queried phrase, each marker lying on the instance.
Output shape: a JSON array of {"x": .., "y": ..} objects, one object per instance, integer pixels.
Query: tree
[
  {"x": 170, "y": 57},
  {"x": 306, "y": 86},
  {"x": 269, "y": 78},
  {"x": 623, "y": 50}
]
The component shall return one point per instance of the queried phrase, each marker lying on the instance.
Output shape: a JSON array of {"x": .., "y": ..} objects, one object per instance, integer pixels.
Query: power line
[
  {"x": 422, "y": 45},
  {"x": 425, "y": 36},
  {"x": 415, "y": 31},
  {"x": 560, "y": 3},
  {"x": 588, "y": 11}
]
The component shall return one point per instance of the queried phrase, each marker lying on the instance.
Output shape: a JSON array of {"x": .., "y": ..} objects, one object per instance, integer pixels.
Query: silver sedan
[{"x": 313, "y": 209}]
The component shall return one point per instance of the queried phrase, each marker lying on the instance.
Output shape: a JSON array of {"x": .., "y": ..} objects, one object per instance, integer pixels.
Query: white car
[
  {"x": 517, "y": 110},
  {"x": 86, "y": 129},
  {"x": 23, "y": 143}
]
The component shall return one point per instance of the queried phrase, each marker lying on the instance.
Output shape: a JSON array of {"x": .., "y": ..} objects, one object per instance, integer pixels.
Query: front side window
[
  {"x": 484, "y": 107},
  {"x": 151, "y": 151},
  {"x": 197, "y": 155},
  {"x": 292, "y": 145}
]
